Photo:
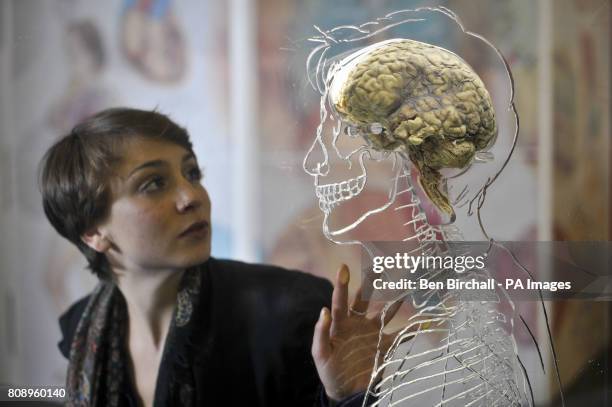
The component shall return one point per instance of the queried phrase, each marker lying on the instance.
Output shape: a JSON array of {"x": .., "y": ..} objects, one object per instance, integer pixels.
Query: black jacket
[{"x": 249, "y": 344}]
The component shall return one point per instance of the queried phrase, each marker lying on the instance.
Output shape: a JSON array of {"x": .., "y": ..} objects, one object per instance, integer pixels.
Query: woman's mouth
[{"x": 196, "y": 229}]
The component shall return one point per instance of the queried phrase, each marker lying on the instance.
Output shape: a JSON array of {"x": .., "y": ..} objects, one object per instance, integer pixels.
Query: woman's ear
[{"x": 97, "y": 240}]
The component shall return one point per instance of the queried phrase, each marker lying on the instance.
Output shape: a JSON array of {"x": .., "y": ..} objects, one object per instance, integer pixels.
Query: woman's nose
[{"x": 188, "y": 196}]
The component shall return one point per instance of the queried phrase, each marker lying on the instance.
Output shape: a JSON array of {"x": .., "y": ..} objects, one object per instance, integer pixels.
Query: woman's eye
[
  {"x": 153, "y": 185},
  {"x": 194, "y": 174}
]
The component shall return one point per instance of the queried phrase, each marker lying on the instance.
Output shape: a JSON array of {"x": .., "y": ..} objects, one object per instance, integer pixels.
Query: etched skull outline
[{"x": 348, "y": 146}]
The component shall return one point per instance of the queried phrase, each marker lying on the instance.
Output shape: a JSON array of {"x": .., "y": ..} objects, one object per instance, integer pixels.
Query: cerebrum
[{"x": 418, "y": 98}]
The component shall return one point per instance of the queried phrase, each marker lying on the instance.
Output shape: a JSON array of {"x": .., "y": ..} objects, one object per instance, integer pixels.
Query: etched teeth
[{"x": 331, "y": 195}]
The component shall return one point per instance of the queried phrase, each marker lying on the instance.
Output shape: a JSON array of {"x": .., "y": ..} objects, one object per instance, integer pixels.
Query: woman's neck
[{"x": 150, "y": 298}]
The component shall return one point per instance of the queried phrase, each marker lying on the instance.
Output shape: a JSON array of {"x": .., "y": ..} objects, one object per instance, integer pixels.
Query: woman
[{"x": 168, "y": 324}]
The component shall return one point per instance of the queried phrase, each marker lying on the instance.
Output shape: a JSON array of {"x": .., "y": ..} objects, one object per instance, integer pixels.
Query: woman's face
[{"x": 160, "y": 213}]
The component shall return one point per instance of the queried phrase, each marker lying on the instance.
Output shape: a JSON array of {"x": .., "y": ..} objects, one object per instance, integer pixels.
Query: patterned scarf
[{"x": 97, "y": 367}]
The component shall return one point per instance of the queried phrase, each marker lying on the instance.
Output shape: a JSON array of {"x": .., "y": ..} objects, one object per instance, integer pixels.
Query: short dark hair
[{"x": 74, "y": 174}]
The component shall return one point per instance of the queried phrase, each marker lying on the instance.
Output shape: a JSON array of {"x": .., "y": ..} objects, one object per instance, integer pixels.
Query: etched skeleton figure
[{"x": 425, "y": 111}]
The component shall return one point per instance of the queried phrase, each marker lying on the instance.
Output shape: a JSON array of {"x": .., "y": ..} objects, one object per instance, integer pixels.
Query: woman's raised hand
[{"x": 346, "y": 341}]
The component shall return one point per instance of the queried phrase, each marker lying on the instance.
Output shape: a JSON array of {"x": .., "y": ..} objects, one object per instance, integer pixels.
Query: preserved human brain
[{"x": 405, "y": 95}]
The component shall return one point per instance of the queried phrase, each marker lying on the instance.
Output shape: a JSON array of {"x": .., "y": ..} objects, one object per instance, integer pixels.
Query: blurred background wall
[{"x": 234, "y": 74}]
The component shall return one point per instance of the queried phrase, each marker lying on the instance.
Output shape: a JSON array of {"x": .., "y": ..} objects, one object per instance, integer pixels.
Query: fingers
[
  {"x": 391, "y": 311},
  {"x": 340, "y": 295},
  {"x": 358, "y": 305},
  {"x": 321, "y": 348}
]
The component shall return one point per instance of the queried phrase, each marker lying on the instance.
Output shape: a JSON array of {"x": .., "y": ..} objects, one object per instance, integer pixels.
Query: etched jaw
[{"x": 331, "y": 195}]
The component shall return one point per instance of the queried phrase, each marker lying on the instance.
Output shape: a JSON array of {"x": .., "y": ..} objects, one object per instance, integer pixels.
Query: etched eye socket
[
  {"x": 351, "y": 131},
  {"x": 376, "y": 128}
]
